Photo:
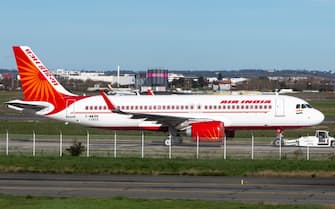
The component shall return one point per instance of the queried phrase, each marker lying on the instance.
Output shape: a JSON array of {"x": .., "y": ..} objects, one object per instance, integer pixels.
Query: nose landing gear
[{"x": 279, "y": 138}]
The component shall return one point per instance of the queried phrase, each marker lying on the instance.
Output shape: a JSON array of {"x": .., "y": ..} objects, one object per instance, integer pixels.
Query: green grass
[
  {"x": 326, "y": 106},
  {"x": 28, "y": 202},
  {"x": 97, "y": 165}
]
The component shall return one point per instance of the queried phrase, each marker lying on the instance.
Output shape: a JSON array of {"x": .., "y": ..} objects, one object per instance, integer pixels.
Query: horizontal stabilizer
[{"x": 27, "y": 106}]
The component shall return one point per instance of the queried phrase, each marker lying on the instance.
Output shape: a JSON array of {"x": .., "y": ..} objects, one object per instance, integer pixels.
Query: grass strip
[
  {"x": 29, "y": 202},
  {"x": 216, "y": 167}
]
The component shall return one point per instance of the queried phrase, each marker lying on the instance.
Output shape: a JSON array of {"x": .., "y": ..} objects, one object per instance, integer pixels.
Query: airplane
[
  {"x": 150, "y": 92},
  {"x": 203, "y": 117}
]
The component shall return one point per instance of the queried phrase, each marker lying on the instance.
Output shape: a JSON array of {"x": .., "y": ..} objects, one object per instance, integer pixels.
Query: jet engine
[{"x": 212, "y": 131}]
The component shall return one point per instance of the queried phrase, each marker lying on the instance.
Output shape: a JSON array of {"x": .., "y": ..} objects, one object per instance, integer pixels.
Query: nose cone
[{"x": 318, "y": 117}]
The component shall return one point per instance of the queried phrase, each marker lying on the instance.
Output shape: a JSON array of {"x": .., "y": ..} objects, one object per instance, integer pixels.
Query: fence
[{"x": 139, "y": 145}]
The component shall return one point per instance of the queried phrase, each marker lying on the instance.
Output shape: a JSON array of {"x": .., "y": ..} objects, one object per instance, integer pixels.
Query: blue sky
[{"x": 174, "y": 34}]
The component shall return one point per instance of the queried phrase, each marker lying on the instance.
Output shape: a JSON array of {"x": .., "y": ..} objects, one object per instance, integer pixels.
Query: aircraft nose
[{"x": 319, "y": 117}]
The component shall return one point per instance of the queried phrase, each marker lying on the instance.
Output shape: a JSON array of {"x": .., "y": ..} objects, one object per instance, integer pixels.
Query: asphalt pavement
[{"x": 272, "y": 190}]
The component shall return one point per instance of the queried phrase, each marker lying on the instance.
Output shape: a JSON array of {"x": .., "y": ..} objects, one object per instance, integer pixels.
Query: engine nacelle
[{"x": 212, "y": 131}]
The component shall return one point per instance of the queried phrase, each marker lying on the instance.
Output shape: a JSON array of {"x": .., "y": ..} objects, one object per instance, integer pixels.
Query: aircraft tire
[
  {"x": 276, "y": 143},
  {"x": 167, "y": 142}
]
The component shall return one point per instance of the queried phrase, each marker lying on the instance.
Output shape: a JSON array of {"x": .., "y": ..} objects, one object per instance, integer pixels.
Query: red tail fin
[
  {"x": 38, "y": 83},
  {"x": 150, "y": 92}
]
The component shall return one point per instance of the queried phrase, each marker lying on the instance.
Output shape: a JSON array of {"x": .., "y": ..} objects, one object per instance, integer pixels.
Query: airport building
[
  {"x": 156, "y": 79},
  {"x": 123, "y": 80}
]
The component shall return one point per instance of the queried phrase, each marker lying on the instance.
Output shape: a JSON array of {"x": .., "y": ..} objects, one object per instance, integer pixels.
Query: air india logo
[{"x": 35, "y": 84}]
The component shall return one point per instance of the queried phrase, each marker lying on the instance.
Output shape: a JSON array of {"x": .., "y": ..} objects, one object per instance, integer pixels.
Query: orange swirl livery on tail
[{"x": 38, "y": 83}]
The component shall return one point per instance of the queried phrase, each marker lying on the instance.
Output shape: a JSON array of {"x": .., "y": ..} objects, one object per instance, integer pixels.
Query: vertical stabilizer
[{"x": 38, "y": 84}]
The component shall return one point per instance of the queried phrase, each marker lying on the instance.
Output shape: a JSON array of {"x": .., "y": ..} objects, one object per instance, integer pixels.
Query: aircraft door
[
  {"x": 70, "y": 108},
  {"x": 279, "y": 107}
]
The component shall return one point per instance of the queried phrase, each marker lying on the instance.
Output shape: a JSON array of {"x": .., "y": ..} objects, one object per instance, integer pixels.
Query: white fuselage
[{"x": 236, "y": 112}]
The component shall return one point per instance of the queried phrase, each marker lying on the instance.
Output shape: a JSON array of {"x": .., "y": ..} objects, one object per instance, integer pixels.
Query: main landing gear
[{"x": 176, "y": 140}]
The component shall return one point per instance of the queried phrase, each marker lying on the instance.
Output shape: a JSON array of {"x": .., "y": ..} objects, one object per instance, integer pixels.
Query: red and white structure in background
[{"x": 204, "y": 117}]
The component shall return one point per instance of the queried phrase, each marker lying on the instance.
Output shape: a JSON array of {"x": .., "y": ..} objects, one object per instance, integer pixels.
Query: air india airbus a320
[{"x": 206, "y": 117}]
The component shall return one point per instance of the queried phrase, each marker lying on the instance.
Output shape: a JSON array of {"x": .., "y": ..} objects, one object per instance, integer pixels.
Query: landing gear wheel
[
  {"x": 276, "y": 143},
  {"x": 167, "y": 142}
]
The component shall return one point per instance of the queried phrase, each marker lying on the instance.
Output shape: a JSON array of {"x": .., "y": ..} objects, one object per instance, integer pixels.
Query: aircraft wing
[
  {"x": 178, "y": 123},
  {"x": 172, "y": 122}
]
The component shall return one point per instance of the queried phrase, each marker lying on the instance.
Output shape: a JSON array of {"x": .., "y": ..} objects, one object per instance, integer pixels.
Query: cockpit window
[{"x": 303, "y": 106}]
